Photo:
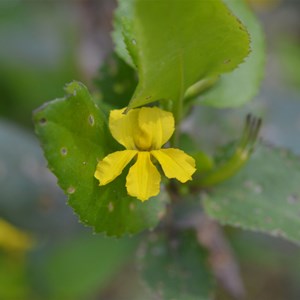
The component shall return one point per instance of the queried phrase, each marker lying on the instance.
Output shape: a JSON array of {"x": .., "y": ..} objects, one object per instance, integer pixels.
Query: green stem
[
  {"x": 199, "y": 87},
  {"x": 187, "y": 96},
  {"x": 177, "y": 115},
  {"x": 240, "y": 156},
  {"x": 227, "y": 170},
  {"x": 178, "y": 104}
]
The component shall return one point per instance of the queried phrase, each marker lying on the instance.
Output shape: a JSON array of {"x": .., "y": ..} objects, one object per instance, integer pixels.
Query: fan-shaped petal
[
  {"x": 175, "y": 163},
  {"x": 143, "y": 178},
  {"x": 123, "y": 126},
  {"x": 112, "y": 165}
]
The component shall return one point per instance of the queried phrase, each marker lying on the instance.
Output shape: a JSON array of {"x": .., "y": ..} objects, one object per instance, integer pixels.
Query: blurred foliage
[
  {"x": 175, "y": 267},
  {"x": 264, "y": 4},
  {"x": 116, "y": 82},
  {"x": 13, "y": 239},
  {"x": 35, "y": 59},
  {"x": 289, "y": 54},
  {"x": 82, "y": 266},
  {"x": 29, "y": 195},
  {"x": 14, "y": 283}
]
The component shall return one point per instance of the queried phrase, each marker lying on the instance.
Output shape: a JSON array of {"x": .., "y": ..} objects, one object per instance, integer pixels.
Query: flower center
[{"x": 143, "y": 142}]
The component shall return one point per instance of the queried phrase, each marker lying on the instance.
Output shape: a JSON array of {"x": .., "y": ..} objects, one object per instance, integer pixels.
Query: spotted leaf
[
  {"x": 74, "y": 135},
  {"x": 264, "y": 196}
]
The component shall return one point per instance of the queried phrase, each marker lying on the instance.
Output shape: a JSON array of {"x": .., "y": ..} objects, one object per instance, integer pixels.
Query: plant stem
[
  {"x": 241, "y": 155},
  {"x": 178, "y": 104},
  {"x": 227, "y": 170},
  {"x": 199, "y": 87}
]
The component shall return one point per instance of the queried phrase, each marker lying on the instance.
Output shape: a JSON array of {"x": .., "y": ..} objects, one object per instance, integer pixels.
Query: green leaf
[
  {"x": 241, "y": 85},
  {"x": 98, "y": 258},
  {"x": 264, "y": 196},
  {"x": 175, "y": 267},
  {"x": 74, "y": 135},
  {"x": 116, "y": 82},
  {"x": 177, "y": 43},
  {"x": 121, "y": 34}
]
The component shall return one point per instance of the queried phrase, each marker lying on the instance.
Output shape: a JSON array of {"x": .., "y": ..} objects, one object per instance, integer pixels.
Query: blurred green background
[{"x": 46, "y": 44}]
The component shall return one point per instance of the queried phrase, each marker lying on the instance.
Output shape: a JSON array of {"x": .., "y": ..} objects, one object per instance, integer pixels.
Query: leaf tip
[{"x": 72, "y": 87}]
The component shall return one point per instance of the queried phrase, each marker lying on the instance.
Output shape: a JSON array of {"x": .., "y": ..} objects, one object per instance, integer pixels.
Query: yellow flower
[{"x": 143, "y": 131}]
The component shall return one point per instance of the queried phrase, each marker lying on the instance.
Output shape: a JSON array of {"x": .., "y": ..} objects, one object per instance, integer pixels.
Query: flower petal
[
  {"x": 175, "y": 163},
  {"x": 112, "y": 165},
  {"x": 122, "y": 126},
  {"x": 157, "y": 125},
  {"x": 143, "y": 178}
]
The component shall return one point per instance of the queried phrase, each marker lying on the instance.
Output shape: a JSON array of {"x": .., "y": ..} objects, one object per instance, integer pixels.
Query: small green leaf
[
  {"x": 75, "y": 136},
  {"x": 116, "y": 82},
  {"x": 174, "y": 44},
  {"x": 264, "y": 196},
  {"x": 241, "y": 85},
  {"x": 175, "y": 267}
]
